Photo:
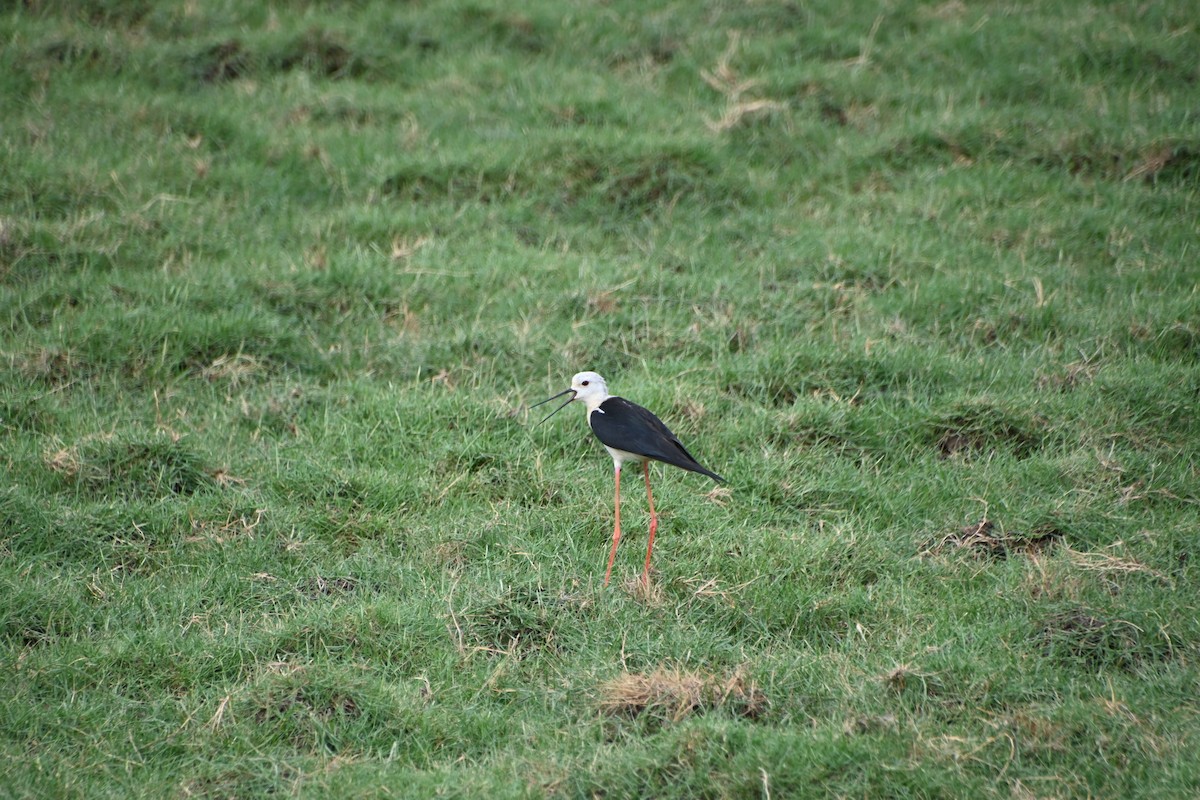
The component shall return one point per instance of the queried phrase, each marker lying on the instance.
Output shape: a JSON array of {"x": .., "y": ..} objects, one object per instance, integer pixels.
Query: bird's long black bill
[{"x": 555, "y": 397}]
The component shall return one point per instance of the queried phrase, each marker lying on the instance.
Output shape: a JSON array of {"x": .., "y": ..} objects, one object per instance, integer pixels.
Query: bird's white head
[
  {"x": 589, "y": 388},
  {"x": 586, "y": 386}
]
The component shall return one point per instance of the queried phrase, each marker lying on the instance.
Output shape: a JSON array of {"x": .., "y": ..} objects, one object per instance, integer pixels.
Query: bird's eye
[{"x": 584, "y": 383}]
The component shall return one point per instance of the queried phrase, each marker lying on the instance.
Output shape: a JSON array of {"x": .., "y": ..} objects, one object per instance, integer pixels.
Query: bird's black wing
[{"x": 627, "y": 426}]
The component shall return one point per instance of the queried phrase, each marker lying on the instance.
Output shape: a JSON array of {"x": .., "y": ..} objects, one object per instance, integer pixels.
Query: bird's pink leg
[
  {"x": 653, "y": 521},
  {"x": 616, "y": 524}
]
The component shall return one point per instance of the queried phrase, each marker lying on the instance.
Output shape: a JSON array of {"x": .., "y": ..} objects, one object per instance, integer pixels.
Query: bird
[{"x": 630, "y": 434}]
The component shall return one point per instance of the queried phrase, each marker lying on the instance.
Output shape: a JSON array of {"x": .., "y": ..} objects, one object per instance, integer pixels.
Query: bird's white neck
[{"x": 593, "y": 401}]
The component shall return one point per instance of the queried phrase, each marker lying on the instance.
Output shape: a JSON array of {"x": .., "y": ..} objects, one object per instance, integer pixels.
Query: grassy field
[{"x": 279, "y": 281}]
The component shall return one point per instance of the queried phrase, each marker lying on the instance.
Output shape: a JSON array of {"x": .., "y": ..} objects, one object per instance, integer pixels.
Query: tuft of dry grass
[
  {"x": 234, "y": 369},
  {"x": 236, "y": 524},
  {"x": 736, "y": 112},
  {"x": 674, "y": 693},
  {"x": 644, "y": 591},
  {"x": 722, "y": 78},
  {"x": 63, "y": 461},
  {"x": 984, "y": 540},
  {"x": 1105, "y": 563},
  {"x": 902, "y": 676}
]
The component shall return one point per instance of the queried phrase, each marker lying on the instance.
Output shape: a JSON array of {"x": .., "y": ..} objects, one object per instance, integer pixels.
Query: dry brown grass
[
  {"x": 235, "y": 525},
  {"x": 674, "y": 693},
  {"x": 985, "y": 539},
  {"x": 232, "y": 368},
  {"x": 62, "y": 460},
  {"x": 724, "y": 79},
  {"x": 1106, "y": 563},
  {"x": 644, "y": 591}
]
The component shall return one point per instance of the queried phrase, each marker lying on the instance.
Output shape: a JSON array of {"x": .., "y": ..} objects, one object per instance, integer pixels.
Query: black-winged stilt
[{"x": 629, "y": 433}]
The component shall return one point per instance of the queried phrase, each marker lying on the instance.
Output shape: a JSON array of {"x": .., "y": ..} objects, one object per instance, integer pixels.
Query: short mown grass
[{"x": 279, "y": 283}]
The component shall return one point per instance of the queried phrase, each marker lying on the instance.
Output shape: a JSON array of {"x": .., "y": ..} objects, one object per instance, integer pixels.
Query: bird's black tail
[
  {"x": 709, "y": 473},
  {"x": 692, "y": 465}
]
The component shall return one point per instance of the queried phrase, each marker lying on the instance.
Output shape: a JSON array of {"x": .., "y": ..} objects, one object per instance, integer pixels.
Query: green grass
[{"x": 279, "y": 282}]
